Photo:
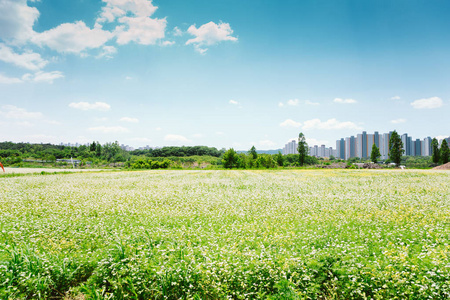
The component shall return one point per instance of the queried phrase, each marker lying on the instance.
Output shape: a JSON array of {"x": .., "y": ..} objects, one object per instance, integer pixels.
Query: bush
[{"x": 148, "y": 164}]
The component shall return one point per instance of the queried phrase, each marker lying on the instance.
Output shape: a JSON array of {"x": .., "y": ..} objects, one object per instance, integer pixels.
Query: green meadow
[{"x": 281, "y": 234}]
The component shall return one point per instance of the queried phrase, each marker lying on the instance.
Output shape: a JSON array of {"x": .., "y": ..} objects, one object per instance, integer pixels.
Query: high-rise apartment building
[
  {"x": 406, "y": 145},
  {"x": 361, "y": 145},
  {"x": 290, "y": 148},
  {"x": 370, "y": 143},
  {"x": 426, "y": 146},
  {"x": 384, "y": 145},
  {"x": 418, "y": 147},
  {"x": 340, "y": 148},
  {"x": 376, "y": 138}
]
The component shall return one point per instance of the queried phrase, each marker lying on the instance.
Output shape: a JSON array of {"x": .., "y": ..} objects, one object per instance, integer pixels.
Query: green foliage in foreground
[
  {"x": 143, "y": 163},
  {"x": 226, "y": 235}
]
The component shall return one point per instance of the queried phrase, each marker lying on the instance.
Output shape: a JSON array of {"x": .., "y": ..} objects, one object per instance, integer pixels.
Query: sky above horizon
[{"x": 222, "y": 73}]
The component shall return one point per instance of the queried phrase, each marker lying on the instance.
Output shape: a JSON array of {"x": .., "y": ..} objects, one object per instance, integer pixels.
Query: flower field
[{"x": 283, "y": 234}]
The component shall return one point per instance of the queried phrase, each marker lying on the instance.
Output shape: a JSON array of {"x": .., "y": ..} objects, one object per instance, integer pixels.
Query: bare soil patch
[{"x": 443, "y": 167}]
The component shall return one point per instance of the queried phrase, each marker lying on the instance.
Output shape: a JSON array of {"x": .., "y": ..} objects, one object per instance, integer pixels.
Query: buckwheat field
[{"x": 287, "y": 234}]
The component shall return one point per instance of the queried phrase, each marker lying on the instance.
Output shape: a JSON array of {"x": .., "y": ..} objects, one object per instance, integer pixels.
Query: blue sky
[{"x": 222, "y": 73}]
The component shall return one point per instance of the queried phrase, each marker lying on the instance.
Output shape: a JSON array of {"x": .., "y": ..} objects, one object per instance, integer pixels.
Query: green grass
[{"x": 281, "y": 234}]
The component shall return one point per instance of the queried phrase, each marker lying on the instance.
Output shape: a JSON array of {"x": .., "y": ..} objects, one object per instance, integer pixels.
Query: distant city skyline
[
  {"x": 360, "y": 145},
  {"x": 222, "y": 74}
]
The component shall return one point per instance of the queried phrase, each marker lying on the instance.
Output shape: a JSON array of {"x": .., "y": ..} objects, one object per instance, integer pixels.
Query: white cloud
[
  {"x": 158, "y": 128},
  {"x": 140, "y": 140},
  {"x": 234, "y": 102},
  {"x": 17, "y": 20},
  {"x": 198, "y": 135},
  {"x": 119, "y": 8},
  {"x": 177, "y": 31},
  {"x": 308, "y": 102},
  {"x": 290, "y": 123},
  {"x": 109, "y": 129},
  {"x": 266, "y": 143},
  {"x": 142, "y": 30},
  {"x": 136, "y": 24},
  {"x": 108, "y": 52},
  {"x": 40, "y": 76},
  {"x": 176, "y": 138},
  {"x": 129, "y": 120},
  {"x": 72, "y": 37},
  {"x": 200, "y": 50},
  {"x": 313, "y": 142},
  {"x": 292, "y": 102},
  {"x": 219, "y": 133},
  {"x": 22, "y": 117},
  {"x": 398, "y": 121},
  {"x": 427, "y": 103},
  {"x": 9, "y": 80},
  {"x": 128, "y": 78},
  {"x": 395, "y": 98},
  {"x": 167, "y": 43},
  {"x": 102, "y": 106},
  {"x": 296, "y": 102},
  {"x": 330, "y": 124},
  {"x": 344, "y": 101},
  {"x": 14, "y": 112},
  {"x": 28, "y": 60},
  {"x": 209, "y": 34}
]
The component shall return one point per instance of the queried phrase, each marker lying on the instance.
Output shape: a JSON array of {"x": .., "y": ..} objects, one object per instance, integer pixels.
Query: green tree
[
  {"x": 445, "y": 152},
  {"x": 253, "y": 152},
  {"x": 242, "y": 161},
  {"x": 230, "y": 159},
  {"x": 395, "y": 148},
  {"x": 279, "y": 159},
  {"x": 435, "y": 151},
  {"x": 302, "y": 149},
  {"x": 98, "y": 149},
  {"x": 375, "y": 154},
  {"x": 92, "y": 147}
]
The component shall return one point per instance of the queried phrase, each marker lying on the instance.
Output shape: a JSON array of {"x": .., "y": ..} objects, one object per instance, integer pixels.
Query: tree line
[
  {"x": 231, "y": 159},
  {"x": 180, "y": 151},
  {"x": 14, "y": 153}
]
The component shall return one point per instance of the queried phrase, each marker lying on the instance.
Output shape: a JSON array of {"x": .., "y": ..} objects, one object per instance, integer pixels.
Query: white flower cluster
[{"x": 321, "y": 234}]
